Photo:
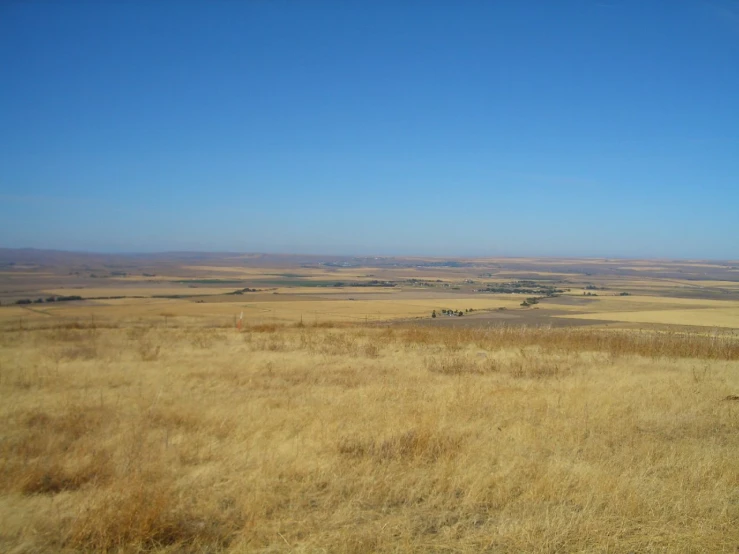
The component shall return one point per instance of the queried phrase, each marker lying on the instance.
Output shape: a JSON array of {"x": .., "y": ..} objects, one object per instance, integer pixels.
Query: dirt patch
[
  {"x": 571, "y": 300},
  {"x": 533, "y": 317}
]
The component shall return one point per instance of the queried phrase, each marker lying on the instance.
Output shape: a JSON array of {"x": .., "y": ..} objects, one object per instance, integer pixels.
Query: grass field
[
  {"x": 347, "y": 419},
  {"x": 139, "y": 291},
  {"x": 364, "y": 439},
  {"x": 308, "y": 305},
  {"x": 659, "y": 293},
  {"x": 292, "y": 309},
  {"x": 658, "y": 310},
  {"x": 707, "y": 317}
]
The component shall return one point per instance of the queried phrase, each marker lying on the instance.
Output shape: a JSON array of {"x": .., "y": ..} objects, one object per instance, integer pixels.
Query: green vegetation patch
[
  {"x": 522, "y": 287},
  {"x": 323, "y": 283},
  {"x": 210, "y": 282}
]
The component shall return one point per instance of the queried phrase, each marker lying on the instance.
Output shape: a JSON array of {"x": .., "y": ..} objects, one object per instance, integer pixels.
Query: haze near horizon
[{"x": 437, "y": 128}]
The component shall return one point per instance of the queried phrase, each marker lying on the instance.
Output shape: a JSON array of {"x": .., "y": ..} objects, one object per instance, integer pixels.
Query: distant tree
[{"x": 433, "y": 314}]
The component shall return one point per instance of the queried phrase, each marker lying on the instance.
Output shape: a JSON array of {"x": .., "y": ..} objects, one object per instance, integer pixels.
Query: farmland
[
  {"x": 346, "y": 418},
  {"x": 285, "y": 289}
]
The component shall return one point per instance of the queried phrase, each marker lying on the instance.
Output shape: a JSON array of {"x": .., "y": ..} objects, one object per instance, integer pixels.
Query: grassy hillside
[{"x": 365, "y": 439}]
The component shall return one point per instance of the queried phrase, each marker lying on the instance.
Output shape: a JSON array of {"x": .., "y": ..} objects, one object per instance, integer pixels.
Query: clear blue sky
[{"x": 595, "y": 128}]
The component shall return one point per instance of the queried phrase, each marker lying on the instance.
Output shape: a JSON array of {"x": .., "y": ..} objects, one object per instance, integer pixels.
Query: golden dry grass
[
  {"x": 655, "y": 310},
  {"x": 335, "y": 438},
  {"x": 708, "y": 317},
  {"x": 138, "y": 291},
  {"x": 642, "y": 303},
  {"x": 261, "y": 308}
]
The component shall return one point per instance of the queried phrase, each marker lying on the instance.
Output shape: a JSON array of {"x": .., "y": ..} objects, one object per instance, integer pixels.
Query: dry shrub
[
  {"x": 371, "y": 350},
  {"x": 52, "y": 453},
  {"x": 419, "y": 335},
  {"x": 73, "y": 343},
  {"x": 338, "y": 344},
  {"x": 84, "y": 351},
  {"x": 202, "y": 338},
  {"x": 172, "y": 418},
  {"x": 325, "y": 324},
  {"x": 67, "y": 331},
  {"x": 63, "y": 334},
  {"x": 73, "y": 424},
  {"x": 413, "y": 445},
  {"x": 138, "y": 332},
  {"x": 388, "y": 335},
  {"x": 51, "y": 474},
  {"x": 456, "y": 364},
  {"x": 148, "y": 351},
  {"x": 307, "y": 341},
  {"x": 530, "y": 365},
  {"x": 264, "y": 328},
  {"x": 311, "y": 338},
  {"x": 35, "y": 376},
  {"x": 146, "y": 346},
  {"x": 232, "y": 377},
  {"x": 537, "y": 368},
  {"x": 10, "y": 338},
  {"x": 651, "y": 344},
  {"x": 144, "y": 513},
  {"x": 270, "y": 343}
]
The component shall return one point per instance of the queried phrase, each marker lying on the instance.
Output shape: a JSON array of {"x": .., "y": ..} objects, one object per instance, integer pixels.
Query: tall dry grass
[{"x": 136, "y": 437}]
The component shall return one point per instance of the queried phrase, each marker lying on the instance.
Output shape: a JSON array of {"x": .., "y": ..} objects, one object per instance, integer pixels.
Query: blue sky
[{"x": 590, "y": 128}]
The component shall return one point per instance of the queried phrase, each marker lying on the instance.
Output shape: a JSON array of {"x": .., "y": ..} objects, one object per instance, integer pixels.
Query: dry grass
[
  {"x": 138, "y": 291},
  {"x": 717, "y": 345},
  {"x": 708, "y": 317},
  {"x": 314, "y": 438}
]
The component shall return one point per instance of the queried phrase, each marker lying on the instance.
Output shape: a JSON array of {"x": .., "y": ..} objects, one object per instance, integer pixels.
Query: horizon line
[{"x": 364, "y": 256}]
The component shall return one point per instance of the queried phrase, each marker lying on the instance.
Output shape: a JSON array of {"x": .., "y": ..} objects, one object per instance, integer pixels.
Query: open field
[
  {"x": 601, "y": 416},
  {"x": 707, "y": 317},
  {"x": 159, "y": 438},
  {"x": 291, "y": 308},
  {"x": 216, "y": 288},
  {"x": 137, "y": 291}
]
